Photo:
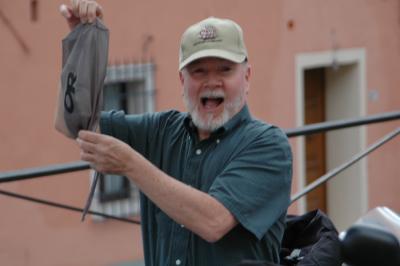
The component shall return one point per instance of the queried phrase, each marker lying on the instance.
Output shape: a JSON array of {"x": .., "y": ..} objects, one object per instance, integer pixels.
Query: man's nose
[{"x": 213, "y": 81}]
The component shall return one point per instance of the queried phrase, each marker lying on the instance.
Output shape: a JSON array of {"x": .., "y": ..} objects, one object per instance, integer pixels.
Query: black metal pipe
[
  {"x": 323, "y": 179},
  {"x": 305, "y": 130},
  {"x": 80, "y": 165},
  {"x": 54, "y": 169},
  {"x": 64, "y": 206},
  {"x": 339, "y": 124}
]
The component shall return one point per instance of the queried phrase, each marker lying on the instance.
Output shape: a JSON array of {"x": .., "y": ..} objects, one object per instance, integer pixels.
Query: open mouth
[{"x": 211, "y": 102}]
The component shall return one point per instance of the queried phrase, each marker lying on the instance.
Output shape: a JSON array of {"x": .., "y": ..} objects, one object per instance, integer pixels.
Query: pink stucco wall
[{"x": 36, "y": 235}]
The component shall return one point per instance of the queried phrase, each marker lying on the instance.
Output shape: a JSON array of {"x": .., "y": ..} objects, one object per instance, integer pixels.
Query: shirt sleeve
[
  {"x": 255, "y": 186},
  {"x": 113, "y": 123},
  {"x": 131, "y": 129},
  {"x": 143, "y": 132}
]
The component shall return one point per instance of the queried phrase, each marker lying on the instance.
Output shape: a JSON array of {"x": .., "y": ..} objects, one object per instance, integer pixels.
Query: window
[{"x": 129, "y": 88}]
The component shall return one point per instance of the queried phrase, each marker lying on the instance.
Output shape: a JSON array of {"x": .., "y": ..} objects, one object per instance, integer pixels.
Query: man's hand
[
  {"x": 106, "y": 154},
  {"x": 196, "y": 210},
  {"x": 84, "y": 11}
]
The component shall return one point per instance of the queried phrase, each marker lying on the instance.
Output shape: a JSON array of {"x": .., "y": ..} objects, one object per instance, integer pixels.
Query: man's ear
[
  {"x": 181, "y": 77},
  {"x": 247, "y": 76},
  {"x": 248, "y": 72}
]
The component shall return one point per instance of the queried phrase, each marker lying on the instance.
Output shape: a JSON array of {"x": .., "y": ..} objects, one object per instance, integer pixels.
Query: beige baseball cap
[{"x": 212, "y": 37}]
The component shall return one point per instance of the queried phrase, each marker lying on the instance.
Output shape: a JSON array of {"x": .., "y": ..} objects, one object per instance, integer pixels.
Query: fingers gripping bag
[{"x": 84, "y": 64}]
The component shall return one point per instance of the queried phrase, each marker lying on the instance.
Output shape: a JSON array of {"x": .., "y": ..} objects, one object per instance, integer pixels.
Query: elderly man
[{"x": 215, "y": 182}]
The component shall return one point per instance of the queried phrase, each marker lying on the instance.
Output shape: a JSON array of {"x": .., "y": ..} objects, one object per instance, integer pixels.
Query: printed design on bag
[{"x": 68, "y": 100}]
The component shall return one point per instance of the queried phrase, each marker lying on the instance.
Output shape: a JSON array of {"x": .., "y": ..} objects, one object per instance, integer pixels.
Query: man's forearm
[{"x": 196, "y": 210}]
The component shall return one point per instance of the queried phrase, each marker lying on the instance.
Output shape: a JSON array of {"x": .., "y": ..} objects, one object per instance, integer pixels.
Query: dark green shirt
[{"x": 245, "y": 165}]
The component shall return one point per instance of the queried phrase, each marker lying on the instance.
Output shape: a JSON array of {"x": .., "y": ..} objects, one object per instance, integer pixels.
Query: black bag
[{"x": 309, "y": 240}]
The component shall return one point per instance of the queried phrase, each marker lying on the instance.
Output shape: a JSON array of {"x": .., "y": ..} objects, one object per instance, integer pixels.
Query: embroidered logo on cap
[{"x": 208, "y": 32}]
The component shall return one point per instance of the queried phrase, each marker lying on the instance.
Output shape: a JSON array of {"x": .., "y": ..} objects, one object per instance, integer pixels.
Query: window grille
[{"x": 129, "y": 88}]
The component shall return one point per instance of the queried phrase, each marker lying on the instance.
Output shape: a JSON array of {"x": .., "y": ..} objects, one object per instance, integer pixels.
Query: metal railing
[
  {"x": 323, "y": 179},
  {"x": 37, "y": 172}
]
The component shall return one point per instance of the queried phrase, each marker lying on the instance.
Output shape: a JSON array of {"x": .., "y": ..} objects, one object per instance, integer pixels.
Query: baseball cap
[{"x": 212, "y": 37}]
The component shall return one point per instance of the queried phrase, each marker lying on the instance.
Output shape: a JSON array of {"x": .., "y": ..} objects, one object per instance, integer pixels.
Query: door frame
[{"x": 326, "y": 59}]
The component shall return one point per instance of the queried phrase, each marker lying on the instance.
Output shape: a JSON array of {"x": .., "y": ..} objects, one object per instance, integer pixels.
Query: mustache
[{"x": 219, "y": 93}]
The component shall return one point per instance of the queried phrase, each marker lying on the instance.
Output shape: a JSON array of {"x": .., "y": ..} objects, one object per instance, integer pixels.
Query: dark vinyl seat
[{"x": 370, "y": 246}]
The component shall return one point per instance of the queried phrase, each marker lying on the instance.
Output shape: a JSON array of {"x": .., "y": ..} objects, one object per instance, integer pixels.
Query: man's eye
[
  {"x": 226, "y": 69},
  {"x": 198, "y": 71}
]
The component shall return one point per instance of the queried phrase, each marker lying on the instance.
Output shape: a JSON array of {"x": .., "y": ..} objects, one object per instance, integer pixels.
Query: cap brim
[{"x": 237, "y": 58}]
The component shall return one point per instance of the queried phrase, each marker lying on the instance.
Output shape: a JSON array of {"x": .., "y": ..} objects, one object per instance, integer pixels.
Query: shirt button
[
  {"x": 178, "y": 262},
  {"x": 182, "y": 225},
  {"x": 218, "y": 141},
  {"x": 198, "y": 151}
]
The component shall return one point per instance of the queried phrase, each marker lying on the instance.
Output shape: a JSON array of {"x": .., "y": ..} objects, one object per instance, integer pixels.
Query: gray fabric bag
[{"x": 84, "y": 64}]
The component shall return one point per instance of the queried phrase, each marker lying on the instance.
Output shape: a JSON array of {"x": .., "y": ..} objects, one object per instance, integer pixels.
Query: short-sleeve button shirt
[{"x": 246, "y": 165}]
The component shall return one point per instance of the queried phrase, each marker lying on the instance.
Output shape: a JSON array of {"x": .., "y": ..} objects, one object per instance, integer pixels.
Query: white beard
[{"x": 211, "y": 123}]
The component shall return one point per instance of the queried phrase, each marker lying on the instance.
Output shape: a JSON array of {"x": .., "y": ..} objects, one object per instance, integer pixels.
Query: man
[{"x": 215, "y": 182}]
